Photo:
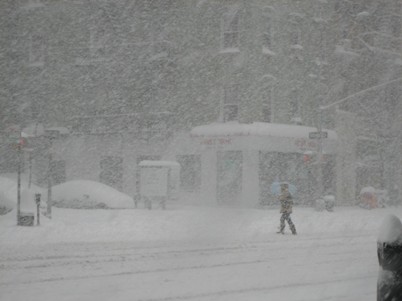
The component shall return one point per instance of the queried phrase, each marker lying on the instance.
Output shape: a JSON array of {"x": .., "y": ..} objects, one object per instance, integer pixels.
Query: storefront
[
  {"x": 220, "y": 163},
  {"x": 239, "y": 162}
]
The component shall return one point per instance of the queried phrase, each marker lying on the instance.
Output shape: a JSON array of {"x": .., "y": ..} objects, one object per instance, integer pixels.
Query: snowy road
[{"x": 303, "y": 267}]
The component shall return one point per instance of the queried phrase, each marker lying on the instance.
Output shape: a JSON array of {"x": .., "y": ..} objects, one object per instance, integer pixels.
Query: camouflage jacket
[{"x": 286, "y": 203}]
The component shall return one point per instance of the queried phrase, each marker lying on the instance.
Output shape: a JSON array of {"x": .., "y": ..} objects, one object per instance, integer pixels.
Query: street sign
[{"x": 318, "y": 135}]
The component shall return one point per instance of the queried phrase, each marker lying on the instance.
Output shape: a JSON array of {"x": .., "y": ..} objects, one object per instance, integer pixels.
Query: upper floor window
[
  {"x": 295, "y": 106},
  {"x": 111, "y": 171},
  {"x": 98, "y": 45},
  {"x": 97, "y": 41},
  {"x": 323, "y": 48},
  {"x": 31, "y": 4},
  {"x": 267, "y": 104},
  {"x": 36, "y": 50},
  {"x": 267, "y": 35},
  {"x": 231, "y": 31},
  {"x": 231, "y": 103},
  {"x": 295, "y": 34},
  {"x": 296, "y": 21},
  {"x": 396, "y": 31}
]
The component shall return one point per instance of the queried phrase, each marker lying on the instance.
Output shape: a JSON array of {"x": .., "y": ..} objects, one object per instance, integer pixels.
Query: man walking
[{"x": 286, "y": 209}]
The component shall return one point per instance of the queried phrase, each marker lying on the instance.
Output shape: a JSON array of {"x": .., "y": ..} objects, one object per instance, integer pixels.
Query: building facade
[{"x": 130, "y": 78}]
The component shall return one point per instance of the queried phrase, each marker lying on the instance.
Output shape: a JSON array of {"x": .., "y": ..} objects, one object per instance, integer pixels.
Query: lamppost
[{"x": 19, "y": 170}]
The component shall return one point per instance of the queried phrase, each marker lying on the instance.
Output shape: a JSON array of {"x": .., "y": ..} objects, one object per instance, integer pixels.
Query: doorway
[{"x": 229, "y": 176}]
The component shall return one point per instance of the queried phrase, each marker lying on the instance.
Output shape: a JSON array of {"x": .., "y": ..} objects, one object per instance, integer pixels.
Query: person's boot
[
  {"x": 281, "y": 230},
  {"x": 293, "y": 229}
]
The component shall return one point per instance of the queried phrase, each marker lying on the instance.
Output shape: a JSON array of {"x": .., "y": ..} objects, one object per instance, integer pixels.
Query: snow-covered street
[
  {"x": 202, "y": 150},
  {"x": 192, "y": 253}
]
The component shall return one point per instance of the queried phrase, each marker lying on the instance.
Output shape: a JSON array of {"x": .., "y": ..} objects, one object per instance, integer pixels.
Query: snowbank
[
  {"x": 89, "y": 194},
  {"x": 187, "y": 223}
]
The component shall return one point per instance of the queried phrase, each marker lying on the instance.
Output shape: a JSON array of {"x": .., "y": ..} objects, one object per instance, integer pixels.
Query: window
[
  {"x": 190, "y": 172},
  {"x": 296, "y": 21},
  {"x": 267, "y": 33},
  {"x": 322, "y": 46},
  {"x": 58, "y": 171},
  {"x": 138, "y": 171},
  {"x": 112, "y": 171},
  {"x": 295, "y": 106},
  {"x": 229, "y": 176},
  {"x": 231, "y": 31},
  {"x": 36, "y": 51},
  {"x": 97, "y": 41},
  {"x": 296, "y": 34},
  {"x": 267, "y": 104},
  {"x": 396, "y": 30},
  {"x": 31, "y": 4},
  {"x": 231, "y": 112},
  {"x": 231, "y": 103}
]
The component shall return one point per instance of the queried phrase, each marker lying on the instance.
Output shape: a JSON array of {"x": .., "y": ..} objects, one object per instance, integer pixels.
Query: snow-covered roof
[
  {"x": 256, "y": 129},
  {"x": 158, "y": 163}
]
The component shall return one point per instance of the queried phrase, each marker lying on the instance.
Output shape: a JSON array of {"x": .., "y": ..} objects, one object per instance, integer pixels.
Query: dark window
[
  {"x": 267, "y": 113},
  {"x": 229, "y": 176},
  {"x": 231, "y": 112},
  {"x": 231, "y": 103},
  {"x": 112, "y": 171},
  {"x": 190, "y": 172},
  {"x": 37, "y": 50},
  {"x": 294, "y": 104},
  {"x": 230, "y": 33},
  {"x": 58, "y": 171},
  {"x": 267, "y": 33},
  {"x": 138, "y": 173}
]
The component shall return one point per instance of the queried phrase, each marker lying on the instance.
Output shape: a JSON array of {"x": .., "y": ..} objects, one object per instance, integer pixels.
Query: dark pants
[{"x": 286, "y": 217}]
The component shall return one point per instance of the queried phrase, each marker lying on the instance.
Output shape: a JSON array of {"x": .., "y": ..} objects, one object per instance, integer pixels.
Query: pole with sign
[
  {"x": 19, "y": 150},
  {"x": 37, "y": 201},
  {"x": 20, "y": 145}
]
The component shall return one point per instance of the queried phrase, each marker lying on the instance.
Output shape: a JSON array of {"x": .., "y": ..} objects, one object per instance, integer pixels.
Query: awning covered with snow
[
  {"x": 263, "y": 136},
  {"x": 257, "y": 129}
]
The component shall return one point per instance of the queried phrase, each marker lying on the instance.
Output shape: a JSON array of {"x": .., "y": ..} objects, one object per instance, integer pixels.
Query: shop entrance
[{"x": 229, "y": 176}]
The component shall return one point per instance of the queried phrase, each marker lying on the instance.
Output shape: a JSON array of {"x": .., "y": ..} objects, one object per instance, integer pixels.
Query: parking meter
[
  {"x": 37, "y": 200},
  {"x": 389, "y": 251}
]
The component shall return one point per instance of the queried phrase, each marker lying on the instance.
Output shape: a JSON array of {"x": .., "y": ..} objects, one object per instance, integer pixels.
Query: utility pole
[
  {"x": 49, "y": 188},
  {"x": 319, "y": 156},
  {"x": 19, "y": 150},
  {"x": 51, "y": 135}
]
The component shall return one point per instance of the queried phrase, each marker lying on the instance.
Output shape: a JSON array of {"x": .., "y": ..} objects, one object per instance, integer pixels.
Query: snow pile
[{"x": 86, "y": 194}]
